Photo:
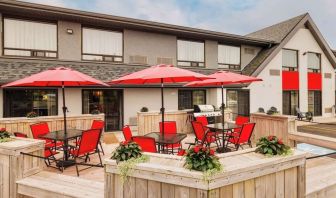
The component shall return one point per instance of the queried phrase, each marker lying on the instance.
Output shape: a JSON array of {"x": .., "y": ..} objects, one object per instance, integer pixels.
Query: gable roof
[{"x": 282, "y": 33}]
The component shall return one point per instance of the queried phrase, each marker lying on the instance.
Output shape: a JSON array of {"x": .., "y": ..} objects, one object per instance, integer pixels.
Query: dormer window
[
  {"x": 229, "y": 57},
  {"x": 190, "y": 53}
]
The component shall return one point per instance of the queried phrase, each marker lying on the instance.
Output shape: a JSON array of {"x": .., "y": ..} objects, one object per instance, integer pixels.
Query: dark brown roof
[
  {"x": 334, "y": 51},
  {"x": 278, "y": 33},
  {"x": 14, "y": 69}
]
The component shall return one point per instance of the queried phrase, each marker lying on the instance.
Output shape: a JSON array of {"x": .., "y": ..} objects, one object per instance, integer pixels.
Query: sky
[{"x": 229, "y": 16}]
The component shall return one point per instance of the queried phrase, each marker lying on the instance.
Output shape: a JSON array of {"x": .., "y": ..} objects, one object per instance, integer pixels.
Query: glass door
[
  {"x": 290, "y": 100},
  {"x": 315, "y": 102},
  {"x": 239, "y": 102},
  {"x": 107, "y": 101}
]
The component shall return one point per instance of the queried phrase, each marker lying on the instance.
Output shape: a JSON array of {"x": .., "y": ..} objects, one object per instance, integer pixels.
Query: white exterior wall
[{"x": 269, "y": 92}]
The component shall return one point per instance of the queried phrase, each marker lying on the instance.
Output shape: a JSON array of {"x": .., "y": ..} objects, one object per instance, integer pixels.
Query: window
[
  {"x": 188, "y": 98},
  {"x": 238, "y": 101},
  {"x": 314, "y": 62},
  {"x": 315, "y": 102},
  {"x": 190, "y": 53},
  {"x": 28, "y": 38},
  {"x": 102, "y": 45},
  {"x": 289, "y": 60},
  {"x": 229, "y": 57},
  {"x": 19, "y": 102},
  {"x": 290, "y": 100}
]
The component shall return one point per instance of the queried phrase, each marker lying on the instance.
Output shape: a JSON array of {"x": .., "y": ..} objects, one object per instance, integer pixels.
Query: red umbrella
[
  {"x": 222, "y": 78},
  {"x": 160, "y": 74},
  {"x": 57, "y": 77}
]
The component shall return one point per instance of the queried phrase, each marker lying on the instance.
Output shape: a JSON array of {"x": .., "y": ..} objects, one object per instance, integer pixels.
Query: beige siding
[{"x": 69, "y": 45}]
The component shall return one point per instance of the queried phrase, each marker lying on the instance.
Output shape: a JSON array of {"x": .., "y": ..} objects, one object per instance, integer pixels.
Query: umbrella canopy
[
  {"x": 56, "y": 77},
  {"x": 224, "y": 78},
  {"x": 160, "y": 74}
]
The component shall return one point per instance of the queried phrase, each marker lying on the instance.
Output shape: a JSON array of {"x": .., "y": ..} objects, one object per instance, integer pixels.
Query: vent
[
  {"x": 162, "y": 60},
  {"x": 136, "y": 59},
  {"x": 250, "y": 51}
]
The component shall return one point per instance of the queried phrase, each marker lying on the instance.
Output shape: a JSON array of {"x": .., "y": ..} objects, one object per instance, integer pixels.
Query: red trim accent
[
  {"x": 314, "y": 81},
  {"x": 290, "y": 80}
]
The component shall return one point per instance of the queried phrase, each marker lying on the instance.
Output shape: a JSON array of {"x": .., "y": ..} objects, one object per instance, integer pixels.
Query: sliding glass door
[
  {"x": 315, "y": 102},
  {"x": 290, "y": 100},
  {"x": 239, "y": 102}
]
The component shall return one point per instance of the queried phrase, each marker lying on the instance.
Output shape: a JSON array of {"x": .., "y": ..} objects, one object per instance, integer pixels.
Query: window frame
[
  {"x": 32, "y": 51},
  {"x": 28, "y": 88},
  {"x": 104, "y": 56},
  {"x": 320, "y": 62},
  {"x": 192, "y": 63},
  {"x": 286, "y": 68},
  {"x": 230, "y": 66},
  {"x": 192, "y": 96}
]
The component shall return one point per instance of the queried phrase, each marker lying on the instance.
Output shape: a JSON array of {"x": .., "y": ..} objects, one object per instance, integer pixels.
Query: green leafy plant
[
  {"x": 32, "y": 114},
  {"x": 272, "y": 145},
  {"x": 144, "y": 109},
  {"x": 272, "y": 111},
  {"x": 203, "y": 159},
  {"x": 4, "y": 135},
  {"x": 127, "y": 156}
]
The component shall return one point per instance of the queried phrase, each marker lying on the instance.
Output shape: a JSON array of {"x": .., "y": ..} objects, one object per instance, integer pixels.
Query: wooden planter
[
  {"x": 15, "y": 166},
  {"x": 279, "y": 125},
  {"x": 22, "y": 124},
  {"x": 246, "y": 174}
]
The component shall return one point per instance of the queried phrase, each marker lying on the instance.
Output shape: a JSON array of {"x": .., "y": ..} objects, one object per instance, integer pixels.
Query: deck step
[{"x": 48, "y": 184}]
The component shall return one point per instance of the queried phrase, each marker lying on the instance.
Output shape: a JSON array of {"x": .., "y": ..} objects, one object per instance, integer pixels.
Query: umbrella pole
[
  {"x": 64, "y": 109},
  {"x": 223, "y": 105},
  {"x": 162, "y": 108}
]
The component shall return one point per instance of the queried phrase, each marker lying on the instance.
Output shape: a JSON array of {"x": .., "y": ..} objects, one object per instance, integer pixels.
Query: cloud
[{"x": 231, "y": 16}]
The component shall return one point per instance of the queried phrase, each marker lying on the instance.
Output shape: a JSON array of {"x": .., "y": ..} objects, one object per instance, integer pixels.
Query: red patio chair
[
  {"x": 240, "y": 120},
  {"x": 202, "y": 135},
  {"x": 127, "y": 133},
  {"x": 40, "y": 129},
  {"x": 22, "y": 135},
  {"x": 204, "y": 121},
  {"x": 147, "y": 144},
  {"x": 99, "y": 124},
  {"x": 243, "y": 136},
  {"x": 170, "y": 128},
  {"x": 87, "y": 146}
]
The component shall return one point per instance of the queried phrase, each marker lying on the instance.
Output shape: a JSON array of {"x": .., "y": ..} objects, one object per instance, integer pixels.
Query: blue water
[{"x": 314, "y": 149}]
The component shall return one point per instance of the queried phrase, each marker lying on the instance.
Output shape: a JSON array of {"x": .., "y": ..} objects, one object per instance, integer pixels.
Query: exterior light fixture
[{"x": 69, "y": 31}]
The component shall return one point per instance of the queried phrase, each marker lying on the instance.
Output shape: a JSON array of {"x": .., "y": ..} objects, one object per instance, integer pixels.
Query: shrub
[
  {"x": 261, "y": 110},
  {"x": 272, "y": 111},
  {"x": 32, "y": 114},
  {"x": 4, "y": 135},
  {"x": 144, "y": 109},
  {"x": 272, "y": 145}
]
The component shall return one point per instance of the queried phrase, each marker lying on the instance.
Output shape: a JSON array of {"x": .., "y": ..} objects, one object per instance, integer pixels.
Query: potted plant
[
  {"x": 32, "y": 114},
  {"x": 144, "y": 109},
  {"x": 261, "y": 110},
  {"x": 272, "y": 111},
  {"x": 272, "y": 145},
  {"x": 127, "y": 155},
  {"x": 4, "y": 135},
  {"x": 202, "y": 159}
]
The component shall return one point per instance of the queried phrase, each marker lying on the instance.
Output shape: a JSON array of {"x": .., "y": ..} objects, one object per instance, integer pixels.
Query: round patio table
[{"x": 223, "y": 128}]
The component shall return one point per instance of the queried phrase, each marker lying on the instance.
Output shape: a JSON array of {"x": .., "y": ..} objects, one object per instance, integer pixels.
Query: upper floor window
[
  {"x": 289, "y": 60},
  {"x": 314, "y": 62},
  {"x": 102, "y": 45},
  {"x": 229, "y": 57},
  {"x": 28, "y": 38},
  {"x": 190, "y": 53}
]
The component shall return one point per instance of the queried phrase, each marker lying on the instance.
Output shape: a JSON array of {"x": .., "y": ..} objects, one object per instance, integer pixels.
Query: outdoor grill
[{"x": 208, "y": 111}]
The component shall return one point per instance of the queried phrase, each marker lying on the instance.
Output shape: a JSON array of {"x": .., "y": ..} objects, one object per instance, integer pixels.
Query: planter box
[
  {"x": 15, "y": 166},
  {"x": 246, "y": 174},
  {"x": 22, "y": 124},
  {"x": 279, "y": 125}
]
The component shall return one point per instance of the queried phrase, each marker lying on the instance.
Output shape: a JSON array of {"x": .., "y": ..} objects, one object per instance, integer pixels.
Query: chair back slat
[
  {"x": 246, "y": 132},
  {"x": 169, "y": 127},
  {"x": 18, "y": 134},
  {"x": 39, "y": 129},
  {"x": 203, "y": 120},
  {"x": 98, "y": 124},
  {"x": 240, "y": 120},
  {"x": 89, "y": 141},
  {"x": 198, "y": 130},
  {"x": 127, "y": 133},
  {"x": 147, "y": 144}
]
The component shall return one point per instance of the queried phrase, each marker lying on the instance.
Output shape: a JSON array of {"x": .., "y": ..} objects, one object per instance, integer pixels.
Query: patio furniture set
[{"x": 227, "y": 137}]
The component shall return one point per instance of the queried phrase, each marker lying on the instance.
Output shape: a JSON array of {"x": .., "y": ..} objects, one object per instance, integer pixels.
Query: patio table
[
  {"x": 62, "y": 137},
  {"x": 223, "y": 128},
  {"x": 166, "y": 139}
]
